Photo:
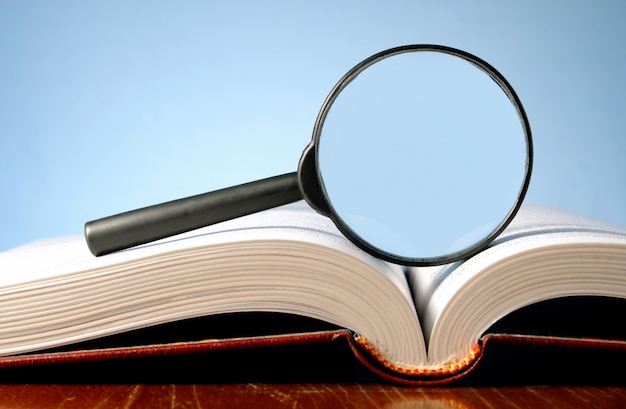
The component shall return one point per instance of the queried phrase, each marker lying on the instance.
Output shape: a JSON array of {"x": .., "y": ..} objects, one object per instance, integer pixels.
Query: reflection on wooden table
[{"x": 303, "y": 396}]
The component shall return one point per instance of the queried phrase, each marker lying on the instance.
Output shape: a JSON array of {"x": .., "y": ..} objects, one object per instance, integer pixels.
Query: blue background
[{"x": 113, "y": 105}]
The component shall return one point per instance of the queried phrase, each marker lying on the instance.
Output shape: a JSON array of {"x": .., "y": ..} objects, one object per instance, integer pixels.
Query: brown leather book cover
[{"x": 497, "y": 359}]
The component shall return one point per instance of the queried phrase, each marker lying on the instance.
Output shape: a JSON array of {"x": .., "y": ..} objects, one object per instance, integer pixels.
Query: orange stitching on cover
[{"x": 447, "y": 369}]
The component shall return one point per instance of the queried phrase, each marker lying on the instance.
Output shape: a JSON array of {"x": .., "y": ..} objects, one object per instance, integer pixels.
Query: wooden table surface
[{"x": 304, "y": 396}]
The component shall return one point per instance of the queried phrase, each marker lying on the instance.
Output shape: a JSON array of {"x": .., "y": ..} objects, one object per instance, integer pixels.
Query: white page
[
  {"x": 432, "y": 287},
  {"x": 56, "y": 257}
]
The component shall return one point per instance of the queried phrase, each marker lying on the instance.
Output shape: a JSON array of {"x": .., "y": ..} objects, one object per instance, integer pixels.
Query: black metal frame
[
  {"x": 148, "y": 224},
  {"x": 312, "y": 150}
]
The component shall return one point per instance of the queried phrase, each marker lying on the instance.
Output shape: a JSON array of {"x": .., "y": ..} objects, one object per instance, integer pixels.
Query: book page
[
  {"x": 289, "y": 259},
  {"x": 51, "y": 258},
  {"x": 433, "y": 287}
]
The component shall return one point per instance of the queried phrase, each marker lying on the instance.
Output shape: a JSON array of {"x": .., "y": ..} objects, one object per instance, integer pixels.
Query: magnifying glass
[{"x": 421, "y": 155}]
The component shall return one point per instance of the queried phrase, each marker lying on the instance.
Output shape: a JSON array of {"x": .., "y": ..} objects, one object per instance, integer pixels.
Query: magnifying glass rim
[{"x": 502, "y": 83}]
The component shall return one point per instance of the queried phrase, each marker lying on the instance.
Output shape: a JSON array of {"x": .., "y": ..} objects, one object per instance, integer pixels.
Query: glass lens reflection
[{"x": 422, "y": 155}]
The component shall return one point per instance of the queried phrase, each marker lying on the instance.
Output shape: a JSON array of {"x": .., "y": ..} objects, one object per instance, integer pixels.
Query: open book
[{"x": 291, "y": 260}]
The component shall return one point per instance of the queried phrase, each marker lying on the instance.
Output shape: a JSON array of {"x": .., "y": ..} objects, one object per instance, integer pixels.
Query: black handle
[{"x": 151, "y": 223}]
